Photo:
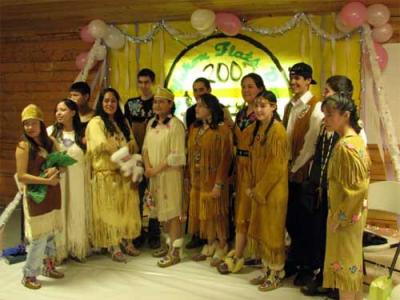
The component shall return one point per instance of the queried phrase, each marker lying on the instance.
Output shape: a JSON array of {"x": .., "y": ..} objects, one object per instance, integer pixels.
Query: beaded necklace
[{"x": 324, "y": 159}]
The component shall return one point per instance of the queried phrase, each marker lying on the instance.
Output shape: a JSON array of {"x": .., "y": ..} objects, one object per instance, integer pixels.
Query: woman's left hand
[{"x": 50, "y": 172}]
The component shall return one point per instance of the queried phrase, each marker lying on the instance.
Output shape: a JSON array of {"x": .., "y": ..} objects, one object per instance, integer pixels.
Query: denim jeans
[{"x": 37, "y": 251}]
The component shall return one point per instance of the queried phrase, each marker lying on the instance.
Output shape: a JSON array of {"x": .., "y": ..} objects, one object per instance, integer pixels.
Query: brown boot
[
  {"x": 31, "y": 282},
  {"x": 49, "y": 269}
]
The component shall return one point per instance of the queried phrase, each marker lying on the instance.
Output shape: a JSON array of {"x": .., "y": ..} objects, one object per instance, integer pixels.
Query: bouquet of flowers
[{"x": 37, "y": 192}]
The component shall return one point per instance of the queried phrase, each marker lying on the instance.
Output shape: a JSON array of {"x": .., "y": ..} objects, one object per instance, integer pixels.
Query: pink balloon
[
  {"x": 353, "y": 14},
  {"x": 85, "y": 35},
  {"x": 378, "y": 14},
  {"x": 381, "y": 56},
  {"x": 228, "y": 23},
  {"x": 383, "y": 33},
  {"x": 81, "y": 60}
]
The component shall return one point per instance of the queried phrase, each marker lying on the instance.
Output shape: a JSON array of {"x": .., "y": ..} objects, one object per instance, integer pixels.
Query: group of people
[{"x": 302, "y": 177}]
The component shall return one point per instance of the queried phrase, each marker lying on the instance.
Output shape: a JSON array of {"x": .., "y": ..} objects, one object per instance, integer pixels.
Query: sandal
[
  {"x": 174, "y": 257},
  {"x": 129, "y": 249},
  {"x": 163, "y": 250},
  {"x": 160, "y": 252},
  {"x": 207, "y": 251},
  {"x": 273, "y": 281},
  {"x": 118, "y": 256},
  {"x": 260, "y": 278},
  {"x": 231, "y": 264},
  {"x": 223, "y": 268},
  {"x": 31, "y": 282},
  {"x": 219, "y": 255}
]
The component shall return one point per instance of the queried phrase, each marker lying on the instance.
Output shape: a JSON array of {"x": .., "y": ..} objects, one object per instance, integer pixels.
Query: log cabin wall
[
  {"x": 39, "y": 69},
  {"x": 32, "y": 70}
]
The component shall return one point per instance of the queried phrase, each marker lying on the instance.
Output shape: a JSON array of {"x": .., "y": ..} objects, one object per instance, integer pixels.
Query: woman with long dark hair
[
  {"x": 209, "y": 159},
  {"x": 251, "y": 84},
  {"x": 348, "y": 180},
  {"x": 68, "y": 133},
  {"x": 315, "y": 190},
  {"x": 115, "y": 201},
  {"x": 42, "y": 219}
]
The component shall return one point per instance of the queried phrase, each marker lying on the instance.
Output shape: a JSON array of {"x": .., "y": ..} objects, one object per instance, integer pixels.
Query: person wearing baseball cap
[
  {"x": 302, "y": 69},
  {"x": 302, "y": 119}
]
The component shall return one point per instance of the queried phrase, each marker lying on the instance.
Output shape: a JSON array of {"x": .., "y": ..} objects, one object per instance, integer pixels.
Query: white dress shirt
[{"x": 311, "y": 136}]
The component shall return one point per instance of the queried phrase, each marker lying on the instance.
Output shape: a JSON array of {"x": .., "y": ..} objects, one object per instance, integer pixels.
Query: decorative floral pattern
[
  {"x": 354, "y": 269},
  {"x": 336, "y": 266},
  {"x": 342, "y": 216},
  {"x": 356, "y": 218}
]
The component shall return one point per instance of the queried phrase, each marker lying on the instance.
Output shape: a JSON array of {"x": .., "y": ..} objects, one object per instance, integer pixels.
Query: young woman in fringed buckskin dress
[
  {"x": 209, "y": 158},
  {"x": 251, "y": 84},
  {"x": 348, "y": 180},
  {"x": 268, "y": 191}
]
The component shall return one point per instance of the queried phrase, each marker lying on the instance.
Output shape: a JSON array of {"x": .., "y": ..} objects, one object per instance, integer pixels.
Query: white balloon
[
  {"x": 340, "y": 26},
  {"x": 100, "y": 52},
  {"x": 208, "y": 31},
  {"x": 382, "y": 33},
  {"x": 114, "y": 38},
  {"x": 98, "y": 29},
  {"x": 202, "y": 19}
]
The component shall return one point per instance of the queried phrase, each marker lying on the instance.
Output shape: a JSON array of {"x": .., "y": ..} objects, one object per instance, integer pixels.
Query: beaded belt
[{"x": 240, "y": 152}]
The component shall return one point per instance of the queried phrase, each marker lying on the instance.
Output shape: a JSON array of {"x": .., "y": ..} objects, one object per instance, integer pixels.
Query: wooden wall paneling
[{"x": 32, "y": 70}]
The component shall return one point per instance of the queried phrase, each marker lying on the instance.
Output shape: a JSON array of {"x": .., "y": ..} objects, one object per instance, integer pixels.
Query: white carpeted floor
[
  {"x": 101, "y": 278},
  {"x": 140, "y": 278}
]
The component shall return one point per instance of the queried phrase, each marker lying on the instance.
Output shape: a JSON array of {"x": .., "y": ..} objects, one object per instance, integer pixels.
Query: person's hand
[
  {"x": 54, "y": 179},
  {"x": 50, "y": 172},
  {"x": 183, "y": 218},
  {"x": 216, "y": 192},
  {"x": 150, "y": 172}
]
